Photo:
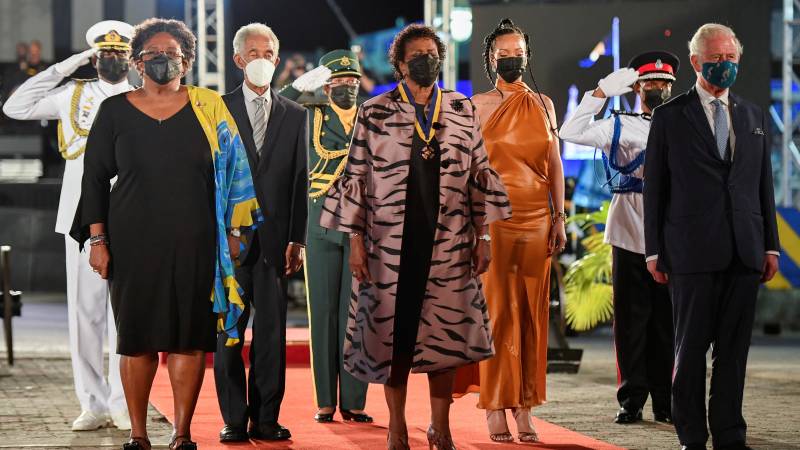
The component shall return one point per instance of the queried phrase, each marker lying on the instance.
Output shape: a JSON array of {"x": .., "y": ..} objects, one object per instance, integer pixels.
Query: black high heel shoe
[
  {"x": 136, "y": 443},
  {"x": 186, "y": 443},
  {"x": 350, "y": 416}
]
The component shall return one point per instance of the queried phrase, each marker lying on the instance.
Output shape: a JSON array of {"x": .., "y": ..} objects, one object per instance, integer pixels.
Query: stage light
[{"x": 461, "y": 24}]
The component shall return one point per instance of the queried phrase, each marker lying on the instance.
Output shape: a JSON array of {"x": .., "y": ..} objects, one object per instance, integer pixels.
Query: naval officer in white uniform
[
  {"x": 74, "y": 104},
  {"x": 642, "y": 308}
]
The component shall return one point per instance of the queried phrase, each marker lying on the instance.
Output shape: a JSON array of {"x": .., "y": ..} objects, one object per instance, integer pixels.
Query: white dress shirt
[
  {"x": 41, "y": 98},
  {"x": 625, "y": 224},
  {"x": 250, "y": 103}
]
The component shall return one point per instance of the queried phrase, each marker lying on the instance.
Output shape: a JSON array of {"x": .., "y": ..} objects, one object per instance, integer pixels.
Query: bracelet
[
  {"x": 560, "y": 215},
  {"x": 98, "y": 239}
]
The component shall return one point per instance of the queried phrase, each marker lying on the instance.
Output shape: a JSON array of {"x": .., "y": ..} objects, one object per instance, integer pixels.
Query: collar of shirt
[
  {"x": 250, "y": 95},
  {"x": 706, "y": 97},
  {"x": 112, "y": 89}
]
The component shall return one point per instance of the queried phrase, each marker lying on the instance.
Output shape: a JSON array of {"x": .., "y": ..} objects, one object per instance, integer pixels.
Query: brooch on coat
[
  {"x": 758, "y": 131},
  {"x": 457, "y": 105}
]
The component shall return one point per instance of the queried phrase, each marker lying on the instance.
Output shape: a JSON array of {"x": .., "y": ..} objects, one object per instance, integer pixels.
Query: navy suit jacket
[
  {"x": 280, "y": 174},
  {"x": 700, "y": 210}
]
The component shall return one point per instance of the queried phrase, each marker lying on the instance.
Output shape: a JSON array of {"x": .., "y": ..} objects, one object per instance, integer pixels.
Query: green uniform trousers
[{"x": 328, "y": 283}]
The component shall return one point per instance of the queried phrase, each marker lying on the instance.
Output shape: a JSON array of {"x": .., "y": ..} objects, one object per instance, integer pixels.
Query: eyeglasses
[
  {"x": 342, "y": 82},
  {"x": 171, "y": 53}
]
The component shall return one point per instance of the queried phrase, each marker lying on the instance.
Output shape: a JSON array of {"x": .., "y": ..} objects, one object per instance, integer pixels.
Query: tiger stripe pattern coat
[{"x": 370, "y": 197}]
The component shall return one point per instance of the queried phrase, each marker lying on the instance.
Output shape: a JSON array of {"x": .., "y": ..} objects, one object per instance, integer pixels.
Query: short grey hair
[
  {"x": 707, "y": 31},
  {"x": 258, "y": 29}
]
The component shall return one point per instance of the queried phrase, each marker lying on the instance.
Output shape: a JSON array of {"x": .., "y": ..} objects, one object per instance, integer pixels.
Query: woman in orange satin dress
[{"x": 518, "y": 127}]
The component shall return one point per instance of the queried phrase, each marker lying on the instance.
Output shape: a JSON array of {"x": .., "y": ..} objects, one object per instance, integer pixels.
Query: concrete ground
[{"x": 37, "y": 401}]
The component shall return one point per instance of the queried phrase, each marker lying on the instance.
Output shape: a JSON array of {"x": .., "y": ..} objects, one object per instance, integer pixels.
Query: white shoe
[
  {"x": 121, "y": 420},
  {"x": 89, "y": 421}
]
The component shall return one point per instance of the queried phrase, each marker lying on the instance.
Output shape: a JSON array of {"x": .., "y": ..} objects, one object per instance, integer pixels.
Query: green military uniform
[{"x": 328, "y": 277}]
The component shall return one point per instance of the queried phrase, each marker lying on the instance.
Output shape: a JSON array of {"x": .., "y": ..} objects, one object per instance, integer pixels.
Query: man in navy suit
[{"x": 711, "y": 234}]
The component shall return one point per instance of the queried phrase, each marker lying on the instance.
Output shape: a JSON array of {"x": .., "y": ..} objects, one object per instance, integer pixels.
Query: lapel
[
  {"x": 738, "y": 123},
  {"x": 276, "y": 114},
  {"x": 697, "y": 117},
  {"x": 239, "y": 112}
]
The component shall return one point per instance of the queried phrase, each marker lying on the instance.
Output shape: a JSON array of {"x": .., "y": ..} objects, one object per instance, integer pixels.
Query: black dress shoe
[
  {"x": 735, "y": 446},
  {"x": 270, "y": 432},
  {"x": 625, "y": 416},
  {"x": 355, "y": 417},
  {"x": 233, "y": 434},
  {"x": 323, "y": 417},
  {"x": 664, "y": 417}
]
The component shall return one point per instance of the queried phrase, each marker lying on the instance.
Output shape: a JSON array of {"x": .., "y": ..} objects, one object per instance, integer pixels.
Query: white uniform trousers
[{"x": 89, "y": 317}]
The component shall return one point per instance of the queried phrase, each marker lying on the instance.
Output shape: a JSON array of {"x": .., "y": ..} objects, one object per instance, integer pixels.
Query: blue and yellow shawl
[{"x": 236, "y": 205}]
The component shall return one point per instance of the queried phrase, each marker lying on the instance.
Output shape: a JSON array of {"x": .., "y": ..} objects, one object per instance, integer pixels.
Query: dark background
[{"x": 565, "y": 32}]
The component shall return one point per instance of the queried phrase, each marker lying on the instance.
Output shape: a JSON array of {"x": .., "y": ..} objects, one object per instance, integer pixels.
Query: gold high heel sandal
[
  {"x": 525, "y": 429},
  {"x": 498, "y": 428},
  {"x": 439, "y": 441}
]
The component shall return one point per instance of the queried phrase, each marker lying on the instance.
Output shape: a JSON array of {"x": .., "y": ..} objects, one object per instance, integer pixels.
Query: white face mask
[{"x": 259, "y": 71}]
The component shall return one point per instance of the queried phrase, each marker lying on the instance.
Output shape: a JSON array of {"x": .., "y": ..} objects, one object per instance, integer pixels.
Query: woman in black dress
[{"x": 156, "y": 235}]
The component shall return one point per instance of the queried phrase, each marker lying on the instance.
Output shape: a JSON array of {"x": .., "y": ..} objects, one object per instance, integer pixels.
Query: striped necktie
[
  {"x": 721, "y": 131},
  {"x": 260, "y": 123}
]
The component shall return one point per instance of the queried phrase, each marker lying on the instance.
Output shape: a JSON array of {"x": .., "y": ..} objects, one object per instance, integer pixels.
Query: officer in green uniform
[{"x": 327, "y": 252}]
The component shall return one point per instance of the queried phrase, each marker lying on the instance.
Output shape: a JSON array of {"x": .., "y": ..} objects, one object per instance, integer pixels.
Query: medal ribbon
[{"x": 424, "y": 129}]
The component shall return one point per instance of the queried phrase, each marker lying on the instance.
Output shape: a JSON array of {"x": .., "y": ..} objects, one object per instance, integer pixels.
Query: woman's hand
[
  {"x": 234, "y": 246},
  {"x": 481, "y": 257},
  {"x": 358, "y": 259},
  {"x": 99, "y": 259},
  {"x": 558, "y": 237}
]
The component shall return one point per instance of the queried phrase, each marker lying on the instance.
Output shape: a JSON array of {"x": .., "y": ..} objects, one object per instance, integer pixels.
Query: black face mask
[
  {"x": 112, "y": 68},
  {"x": 344, "y": 96},
  {"x": 162, "y": 70},
  {"x": 424, "y": 69},
  {"x": 510, "y": 68},
  {"x": 656, "y": 97}
]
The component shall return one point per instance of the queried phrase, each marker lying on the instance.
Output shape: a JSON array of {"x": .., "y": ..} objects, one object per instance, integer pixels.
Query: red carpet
[{"x": 468, "y": 422}]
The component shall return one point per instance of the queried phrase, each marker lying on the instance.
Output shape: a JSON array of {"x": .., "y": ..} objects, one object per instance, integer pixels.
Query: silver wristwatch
[{"x": 485, "y": 237}]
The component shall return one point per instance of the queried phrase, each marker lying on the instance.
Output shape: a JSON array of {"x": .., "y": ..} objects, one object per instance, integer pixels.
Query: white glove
[
  {"x": 312, "y": 80},
  {"x": 71, "y": 64},
  {"x": 619, "y": 82}
]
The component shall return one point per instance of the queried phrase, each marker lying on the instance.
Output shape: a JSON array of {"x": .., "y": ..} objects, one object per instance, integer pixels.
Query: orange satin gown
[{"x": 517, "y": 284}]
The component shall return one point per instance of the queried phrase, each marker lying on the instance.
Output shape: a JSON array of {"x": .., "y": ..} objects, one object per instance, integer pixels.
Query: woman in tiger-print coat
[{"x": 381, "y": 200}]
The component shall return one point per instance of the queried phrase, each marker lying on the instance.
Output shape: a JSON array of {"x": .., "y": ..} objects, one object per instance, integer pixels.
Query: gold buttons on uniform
[
  {"x": 327, "y": 117},
  {"x": 322, "y": 133}
]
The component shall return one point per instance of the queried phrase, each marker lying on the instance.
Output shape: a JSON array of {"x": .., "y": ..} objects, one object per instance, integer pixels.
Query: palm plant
[{"x": 589, "y": 297}]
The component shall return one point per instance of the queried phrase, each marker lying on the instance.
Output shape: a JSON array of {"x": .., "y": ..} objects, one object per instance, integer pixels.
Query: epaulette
[
  {"x": 619, "y": 112},
  {"x": 316, "y": 105}
]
